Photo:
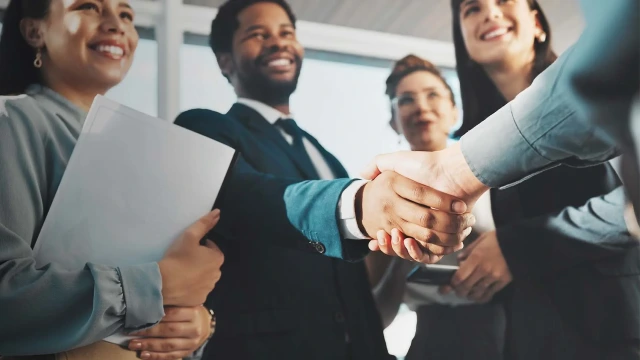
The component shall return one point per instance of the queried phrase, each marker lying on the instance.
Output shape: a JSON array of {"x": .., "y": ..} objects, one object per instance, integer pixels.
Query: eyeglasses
[{"x": 410, "y": 101}]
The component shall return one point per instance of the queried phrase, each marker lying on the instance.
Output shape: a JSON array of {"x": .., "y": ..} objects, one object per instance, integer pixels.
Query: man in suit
[{"x": 289, "y": 201}]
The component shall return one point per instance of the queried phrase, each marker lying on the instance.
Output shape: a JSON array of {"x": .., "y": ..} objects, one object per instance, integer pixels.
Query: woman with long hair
[
  {"x": 55, "y": 57},
  {"x": 424, "y": 112},
  {"x": 586, "y": 309}
]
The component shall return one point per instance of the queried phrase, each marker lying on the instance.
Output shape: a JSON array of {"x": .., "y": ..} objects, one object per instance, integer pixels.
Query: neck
[
  {"x": 280, "y": 105},
  {"x": 82, "y": 98},
  {"x": 428, "y": 147},
  {"x": 509, "y": 79},
  {"x": 277, "y": 101}
]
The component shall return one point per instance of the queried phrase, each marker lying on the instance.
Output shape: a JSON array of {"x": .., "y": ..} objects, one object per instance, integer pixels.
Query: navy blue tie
[{"x": 291, "y": 128}]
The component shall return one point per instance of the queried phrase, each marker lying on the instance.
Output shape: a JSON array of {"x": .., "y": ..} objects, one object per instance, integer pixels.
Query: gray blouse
[{"x": 49, "y": 310}]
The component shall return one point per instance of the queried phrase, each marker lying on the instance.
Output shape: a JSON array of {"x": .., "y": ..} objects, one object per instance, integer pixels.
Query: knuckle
[
  {"x": 427, "y": 219},
  {"x": 461, "y": 223},
  {"x": 174, "y": 328},
  {"x": 191, "y": 233},
  {"x": 418, "y": 192},
  {"x": 168, "y": 346},
  {"x": 437, "y": 250},
  {"x": 387, "y": 205}
]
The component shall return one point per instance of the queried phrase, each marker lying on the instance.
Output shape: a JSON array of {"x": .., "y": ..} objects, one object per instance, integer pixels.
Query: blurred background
[{"x": 350, "y": 47}]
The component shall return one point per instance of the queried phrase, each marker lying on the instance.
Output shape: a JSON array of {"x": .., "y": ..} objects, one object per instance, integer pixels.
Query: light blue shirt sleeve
[{"x": 539, "y": 129}]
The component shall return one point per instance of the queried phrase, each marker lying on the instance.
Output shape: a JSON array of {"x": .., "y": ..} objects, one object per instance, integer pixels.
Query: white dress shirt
[{"x": 346, "y": 210}]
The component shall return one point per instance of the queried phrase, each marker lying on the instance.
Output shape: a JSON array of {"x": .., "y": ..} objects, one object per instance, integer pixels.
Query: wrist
[
  {"x": 168, "y": 296},
  {"x": 358, "y": 208},
  {"x": 460, "y": 173}
]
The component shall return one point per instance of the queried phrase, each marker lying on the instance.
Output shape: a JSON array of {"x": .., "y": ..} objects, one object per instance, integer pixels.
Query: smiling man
[{"x": 292, "y": 215}]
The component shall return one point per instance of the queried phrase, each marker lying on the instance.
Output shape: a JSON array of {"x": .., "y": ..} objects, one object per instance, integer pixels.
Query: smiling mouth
[
  {"x": 277, "y": 63},
  {"x": 109, "y": 51},
  {"x": 497, "y": 33}
]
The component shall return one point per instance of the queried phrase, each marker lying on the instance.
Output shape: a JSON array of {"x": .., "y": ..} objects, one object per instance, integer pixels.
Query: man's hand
[
  {"x": 181, "y": 332},
  {"x": 437, "y": 220},
  {"x": 483, "y": 270},
  {"x": 445, "y": 170}
]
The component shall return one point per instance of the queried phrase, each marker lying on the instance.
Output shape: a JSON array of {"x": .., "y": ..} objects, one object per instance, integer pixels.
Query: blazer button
[{"x": 319, "y": 247}]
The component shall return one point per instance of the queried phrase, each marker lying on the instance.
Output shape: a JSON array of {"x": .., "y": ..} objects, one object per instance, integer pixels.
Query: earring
[
  {"x": 38, "y": 61},
  {"x": 542, "y": 38}
]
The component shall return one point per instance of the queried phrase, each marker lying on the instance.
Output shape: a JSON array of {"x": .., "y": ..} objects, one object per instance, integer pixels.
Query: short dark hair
[
  {"x": 226, "y": 22},
  {"x": 480, "y": 96},
  {"x": 16, "y": 55}
]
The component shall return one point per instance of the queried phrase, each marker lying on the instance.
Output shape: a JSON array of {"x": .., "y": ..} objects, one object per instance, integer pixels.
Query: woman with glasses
[{"x": 424, "y": 112}]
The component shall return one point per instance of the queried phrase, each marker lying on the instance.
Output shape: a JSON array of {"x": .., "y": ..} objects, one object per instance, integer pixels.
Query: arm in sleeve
[
  {"x": 283, "y": 211},
  {"x": 49, "y": 310},
  {"x": 539, "y": 129},
  {"x": 551, "y": 243}
]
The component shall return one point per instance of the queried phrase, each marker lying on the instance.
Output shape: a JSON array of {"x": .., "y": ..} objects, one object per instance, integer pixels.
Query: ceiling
[{"x": 428, "y": 19}]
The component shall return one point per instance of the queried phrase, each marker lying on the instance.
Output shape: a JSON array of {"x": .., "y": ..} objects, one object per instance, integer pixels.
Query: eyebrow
[
  {"x": 468, "y": 2},
  {"x": 424, "y": 89},
  {"x": 259, "y": 27},
  {"x": 122, "y": 4}
]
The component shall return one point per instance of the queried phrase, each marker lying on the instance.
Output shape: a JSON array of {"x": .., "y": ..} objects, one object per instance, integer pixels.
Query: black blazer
[
  {"x": 277, "y": 302},
  {"x": 570, "y": 299}
]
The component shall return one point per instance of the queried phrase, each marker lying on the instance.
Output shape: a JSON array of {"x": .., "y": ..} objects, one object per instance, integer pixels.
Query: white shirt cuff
[{"x": 347, "y": 221}]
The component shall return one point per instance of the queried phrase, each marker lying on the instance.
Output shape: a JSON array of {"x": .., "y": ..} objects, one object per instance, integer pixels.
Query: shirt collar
[{"x": 270, "y": 114}]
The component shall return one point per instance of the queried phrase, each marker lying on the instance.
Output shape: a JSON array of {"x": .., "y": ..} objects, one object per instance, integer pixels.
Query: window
[{"x": 139, "y": 90}]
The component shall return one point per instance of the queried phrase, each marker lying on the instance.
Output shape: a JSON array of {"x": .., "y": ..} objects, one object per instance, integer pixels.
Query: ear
[
  {"x": 32, "y": 32},
  {"x": 536, "y": 19},
  {"x": 226, "y": 64}
]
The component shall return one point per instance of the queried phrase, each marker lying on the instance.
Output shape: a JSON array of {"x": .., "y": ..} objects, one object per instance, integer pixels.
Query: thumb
[
  {"x": 200, "y": 228},
  {"x": 213, "y": 246}
]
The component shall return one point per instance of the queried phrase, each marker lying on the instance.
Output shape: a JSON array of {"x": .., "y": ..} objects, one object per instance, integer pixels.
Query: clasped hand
[{"x": 181, "y": 332}]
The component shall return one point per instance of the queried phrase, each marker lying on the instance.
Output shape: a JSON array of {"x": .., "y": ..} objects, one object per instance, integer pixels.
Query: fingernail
[
  {"x": 395, "y": 237},
  {"x": 459, "y": 207},
  {"x": 381, "y": 237},
  {"x": 472, "y": 220},
  {"x": 215, "y": 212},
  {"x": 134, "y": 345},
  {"x": 467, "y": 232},
  {"x": 145, "y": 355}
]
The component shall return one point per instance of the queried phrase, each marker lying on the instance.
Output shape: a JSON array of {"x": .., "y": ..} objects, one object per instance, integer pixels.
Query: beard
[{"x": 265, "y": 89}]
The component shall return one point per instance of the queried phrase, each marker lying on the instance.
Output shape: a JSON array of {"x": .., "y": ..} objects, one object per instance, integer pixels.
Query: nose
[
  {"x": 112, "y": 23},
  {"x": 422, "y": 104},
  {"x": 493, "y": 11},
  {"x": 276, "y": 42}
]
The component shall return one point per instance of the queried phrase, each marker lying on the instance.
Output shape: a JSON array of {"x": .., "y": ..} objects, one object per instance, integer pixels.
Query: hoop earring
[
  {"x": 542, "y": 38},
  {"x": 37, "y": 63}
]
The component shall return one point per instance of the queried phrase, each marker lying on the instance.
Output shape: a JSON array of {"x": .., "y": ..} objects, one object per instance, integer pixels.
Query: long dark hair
[
  {"x": 16, "y": 55},
  {"x": 480, "y": 96}
]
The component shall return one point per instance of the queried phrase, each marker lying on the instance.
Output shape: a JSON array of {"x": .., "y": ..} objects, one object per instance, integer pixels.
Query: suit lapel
[
  {"x": 255, "y": 123},
  {"x": 336, "y": 167}
]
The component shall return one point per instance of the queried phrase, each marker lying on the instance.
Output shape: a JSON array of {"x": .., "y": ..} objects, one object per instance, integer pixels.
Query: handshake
[{"x": 423, "y": 199}]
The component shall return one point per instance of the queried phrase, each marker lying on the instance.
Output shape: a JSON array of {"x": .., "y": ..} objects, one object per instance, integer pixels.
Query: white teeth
[
  {"x": 113, "y": 50},
  {"x": 495, "y": 33},
  {"x": 279, "y": 62}
]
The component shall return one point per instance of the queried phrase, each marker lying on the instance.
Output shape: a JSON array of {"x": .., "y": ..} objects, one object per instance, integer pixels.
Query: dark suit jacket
[
  {"x": 571, "y": 298},
  {"x": 278, "y": 297}
]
